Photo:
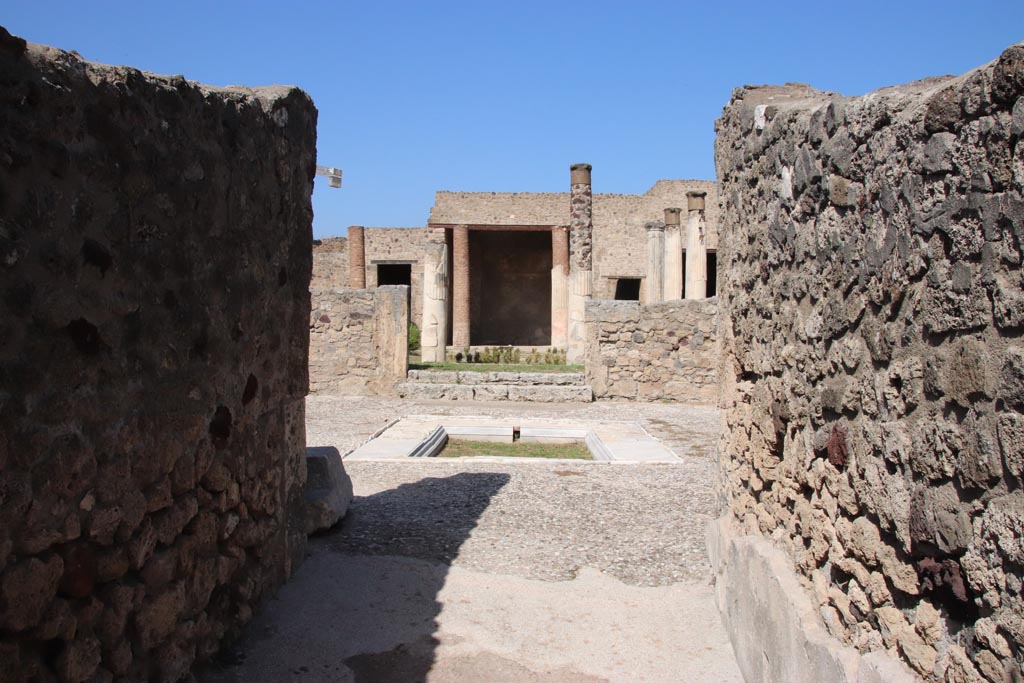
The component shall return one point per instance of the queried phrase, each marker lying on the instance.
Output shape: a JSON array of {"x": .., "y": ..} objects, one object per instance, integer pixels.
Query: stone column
[
  {"x": 581, "y": 226},
  {"x": 673, "y": 255},
  {"x": 560, "y": 287},
  {"x": 460, "y": 287},
  {"x": 434, "y": 330},
  {"x": 696, "y": 247},
  {"x": 654, "y": 285},
  {"x": 356, "y": 257}
]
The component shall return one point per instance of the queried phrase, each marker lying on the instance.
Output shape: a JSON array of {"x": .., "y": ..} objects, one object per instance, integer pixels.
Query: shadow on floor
[{"x": 363, "y": 606}]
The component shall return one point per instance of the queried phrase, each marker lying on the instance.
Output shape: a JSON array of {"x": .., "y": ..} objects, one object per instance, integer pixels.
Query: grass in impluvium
[
  {"x": 495, "y": 367},
  {"x": 462, "y": 448}
]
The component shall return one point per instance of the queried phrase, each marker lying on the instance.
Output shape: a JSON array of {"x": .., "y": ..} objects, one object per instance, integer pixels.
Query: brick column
[
  {"x": 581, "y": 225},
  {"x": 673, "y": 255},
  {"x": 560, "y": 287},
  {"x": 654, "y": 285},
  {"x": 696, "y": 248},
  {"x": 460, "y": 287},
  {"x": 356, "y": 257},
  {"x": 434, "y": 329}
]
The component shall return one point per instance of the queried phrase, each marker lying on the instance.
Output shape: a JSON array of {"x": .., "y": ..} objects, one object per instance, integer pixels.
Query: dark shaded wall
[
  {"x": 155, "y": 255},
  {"x": 873, "y": 382},
  {"x": 510, "y": 287}
]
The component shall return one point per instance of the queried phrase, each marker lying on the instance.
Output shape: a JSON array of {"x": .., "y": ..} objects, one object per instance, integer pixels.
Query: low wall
[
  {"x": 358, "y": 340},
  {"x": 155, "y": 239},
  {"x": 666, "y": 351},
  {"x": 873, "y": 369}
]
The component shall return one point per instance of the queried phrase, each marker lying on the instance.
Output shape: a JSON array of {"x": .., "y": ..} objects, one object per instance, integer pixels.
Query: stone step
[
  {"x": 506, "y": 378},
  {"x": 547, "y": 393}
]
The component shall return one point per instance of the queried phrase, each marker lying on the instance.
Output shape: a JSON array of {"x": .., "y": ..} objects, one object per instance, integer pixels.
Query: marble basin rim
[{"x": 424, "y": 436}]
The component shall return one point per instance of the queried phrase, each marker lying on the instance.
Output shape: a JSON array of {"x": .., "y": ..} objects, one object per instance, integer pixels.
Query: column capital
[
  {"x": 655, "y": 226},
  {"x": 579, "y": 174},
  {"x": 695, "y": 200},
  {"x": 672, "y": 216}
]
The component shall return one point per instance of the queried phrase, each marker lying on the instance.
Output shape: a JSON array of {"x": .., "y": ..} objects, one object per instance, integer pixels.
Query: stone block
[{"x": 328, "y": 488}]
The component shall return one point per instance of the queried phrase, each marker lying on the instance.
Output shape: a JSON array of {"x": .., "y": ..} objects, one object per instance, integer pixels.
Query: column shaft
[
  {"x": 654, "y": 285},
  {"x": 434, "y": 330},
  {"x": 460, "y": 287},
  {"x": 673, "y": 256},
  {"x": 560, "y": 287},
  {"x": 356, "y": 257},
  {"x": 696, "y": 248},
  {"x": 581, "y": 224}
]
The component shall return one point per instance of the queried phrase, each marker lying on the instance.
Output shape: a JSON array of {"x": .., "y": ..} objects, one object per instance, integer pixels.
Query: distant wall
[
  {"x": 358, "y": 340},
  {"x": 330, "y": 264},
  {"x": 666, "y": 351},
  {"x": 873, "y": 381},
  {"x": 155, "y": 241}
]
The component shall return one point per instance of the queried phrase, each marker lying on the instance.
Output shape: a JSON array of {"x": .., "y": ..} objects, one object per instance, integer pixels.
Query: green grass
[
  {"x": 462, "y": 448},
  {"x": 495, "y": 367}
]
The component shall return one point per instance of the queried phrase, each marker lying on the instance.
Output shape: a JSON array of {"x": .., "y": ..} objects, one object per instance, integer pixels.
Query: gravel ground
[{"x": 643, "y": 524}]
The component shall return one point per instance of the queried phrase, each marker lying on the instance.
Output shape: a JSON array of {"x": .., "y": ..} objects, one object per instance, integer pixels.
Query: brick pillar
[
  {"x": 434, "y": 329},
  {"x": 356, "y": 257},
  {"x": 673, "y": 255},
  {"x": 696, "y": 247},
  {"x": 581, "y": 226},
  {"x": 460, "y": 287},
  {"x": 654, "y": 285},
  {"x": 560, "y": 287}
]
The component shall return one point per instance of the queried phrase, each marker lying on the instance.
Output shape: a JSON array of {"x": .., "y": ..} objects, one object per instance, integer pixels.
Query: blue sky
[{"x": 416, "y": 97}]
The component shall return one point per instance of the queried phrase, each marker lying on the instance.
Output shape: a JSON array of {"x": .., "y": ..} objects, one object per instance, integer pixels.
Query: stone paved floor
[{"x": 452, "y": 570}]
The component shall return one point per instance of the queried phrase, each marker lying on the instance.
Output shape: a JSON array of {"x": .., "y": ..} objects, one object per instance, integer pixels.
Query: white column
[
  {"x": 560, "y": 287},
  {"x": 696, "y": 248},
  {"x": 654, "y": 285},
  {"x": 673, "y": 255},
  {"x": 434, "y": 330}
]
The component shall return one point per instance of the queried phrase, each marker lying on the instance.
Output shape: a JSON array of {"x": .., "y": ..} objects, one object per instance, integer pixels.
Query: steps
[{"x": 467, "y": 385}]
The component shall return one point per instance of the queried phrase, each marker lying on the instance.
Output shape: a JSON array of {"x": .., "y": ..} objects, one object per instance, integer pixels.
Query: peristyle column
[
  {"x": 654, "y": 285},
  {"x": 356, "y": 257},
  {"x": 560, "y": 287},
  {"x": 460, "y": 287},
  {"x": 581, "y": 226},
  {"x": 696, "y": 247},
  {"x": 434, "y": 330},
  {"x": 673, "y": 255}
]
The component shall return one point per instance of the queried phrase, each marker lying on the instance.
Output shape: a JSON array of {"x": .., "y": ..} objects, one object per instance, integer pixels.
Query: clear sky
[{"x": 479, "y": 95}]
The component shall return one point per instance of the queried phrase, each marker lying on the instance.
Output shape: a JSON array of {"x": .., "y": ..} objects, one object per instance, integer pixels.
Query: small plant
[
  {"x": 516, "y": 356},
  {"x": 414, "y": 337},
  {"x": 476, "y": 356},
  {"x": 458, "y": 356}
]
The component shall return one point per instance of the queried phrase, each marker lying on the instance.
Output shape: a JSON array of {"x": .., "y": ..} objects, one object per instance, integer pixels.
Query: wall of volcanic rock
[
  {"x": 666, "y": 351},
  {"x": 155, "y": 254},
  {"x": 873, "y": 310}
]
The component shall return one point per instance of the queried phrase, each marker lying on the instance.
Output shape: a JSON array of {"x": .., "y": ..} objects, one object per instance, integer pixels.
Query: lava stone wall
[
  {"x": 665, "y": 351},
  {"x": 330, "y": 264},
  {"x": 873, "y": 308},
  {"x": 155, "y": 254},
  {"x": 358, "y": 340}
]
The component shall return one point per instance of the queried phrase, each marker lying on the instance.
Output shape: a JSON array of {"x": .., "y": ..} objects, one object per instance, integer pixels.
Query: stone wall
[
  {"x": 330, "y": 264},
  {"x": 398, "y": 245},
  {"x": 666, "y": 351},
  {"x": 358, "y": 340},
  {"x": 873, "y": 381},
  {"x": 155, "y": 241}
]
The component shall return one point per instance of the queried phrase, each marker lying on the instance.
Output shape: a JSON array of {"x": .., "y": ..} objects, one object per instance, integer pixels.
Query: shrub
[
  {"x": 414, "y": 337},
  {"x": 458, "y": 357}
]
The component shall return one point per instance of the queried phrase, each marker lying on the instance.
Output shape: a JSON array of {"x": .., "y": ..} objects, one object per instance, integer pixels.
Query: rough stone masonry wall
[
  {"x": 873, "y": 302},
  {"x": 330, "y": 264},
  {"x": 155, "y": 240},
  {"x": 358, "y": 340},
  {"x": 666, "y": 351}
]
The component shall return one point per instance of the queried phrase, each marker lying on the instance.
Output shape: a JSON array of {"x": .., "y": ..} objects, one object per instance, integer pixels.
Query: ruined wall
[
  {"x": 358, "y": 340},
  {"x": 666, "y": 351},
  {"x": 399, "y": 244},
  {"x": 330, "y": 264},
  {"x": 873, "y": 378},
  {"x": 155, "y": 241}
]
